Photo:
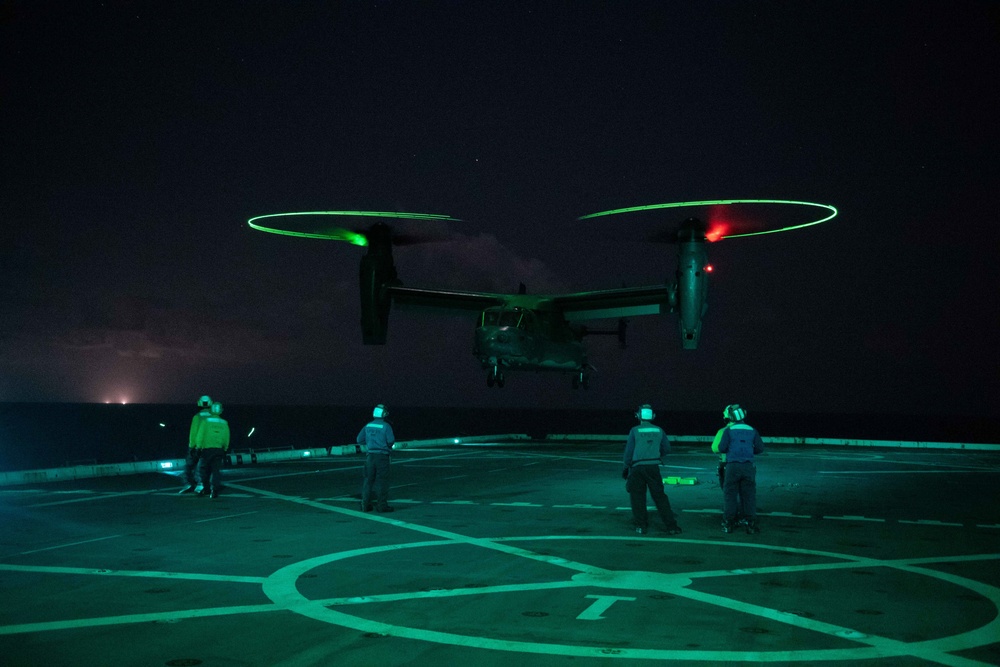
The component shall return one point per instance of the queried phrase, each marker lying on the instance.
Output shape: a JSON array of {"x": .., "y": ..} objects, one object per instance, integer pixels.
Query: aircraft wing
[
  {"x": 624, "y": 302},
  {"x": 613, "y": 303},
  {"x": 444, "y": 299}
]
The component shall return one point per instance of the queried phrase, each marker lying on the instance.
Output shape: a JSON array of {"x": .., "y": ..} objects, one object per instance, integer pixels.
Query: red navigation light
[
  {"x": 709, "y": 268},
  {"x": 717, "y": 231}
]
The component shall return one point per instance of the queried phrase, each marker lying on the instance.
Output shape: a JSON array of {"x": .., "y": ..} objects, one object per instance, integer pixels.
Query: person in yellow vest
[
  {"x": 193, "y": 454},
  {"x": 715, "y": 449},
  {"x": 646, "y": 448},
  {"x": 213, "y": 441}
]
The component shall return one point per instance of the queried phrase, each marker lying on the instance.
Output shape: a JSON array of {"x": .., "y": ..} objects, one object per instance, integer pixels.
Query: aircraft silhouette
[{"x": 537, "y": 332}]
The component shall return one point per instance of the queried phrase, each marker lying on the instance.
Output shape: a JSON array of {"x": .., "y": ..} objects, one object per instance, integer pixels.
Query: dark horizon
[{"x": 41, "y": 435}]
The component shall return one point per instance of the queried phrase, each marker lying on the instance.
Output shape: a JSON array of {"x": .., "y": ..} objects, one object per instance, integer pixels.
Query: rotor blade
[
  {"x": 727, "y": 218},
  {"x": 354, "y": 226}
]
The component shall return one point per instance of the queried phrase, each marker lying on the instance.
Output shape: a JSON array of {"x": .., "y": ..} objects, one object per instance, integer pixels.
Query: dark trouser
[
  {"x": 740, "y": 490},
  {"x": 641, "y": 478},
  {"x": 191, "y": 467},
  {"x": 211, "y": 468},
  {"x": 376, "y": 480}
]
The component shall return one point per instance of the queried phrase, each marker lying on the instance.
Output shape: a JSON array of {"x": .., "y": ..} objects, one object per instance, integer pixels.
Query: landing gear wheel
[
  {"x": 500, "y": 380},
  {"x": 490, "y": 379},
  {"x": 576, "y": 382}
]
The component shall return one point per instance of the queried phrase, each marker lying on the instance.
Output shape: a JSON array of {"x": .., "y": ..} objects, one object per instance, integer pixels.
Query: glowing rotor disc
[
  {"x": 317, "y": 225},
  {"x": 723, "y": 226}
]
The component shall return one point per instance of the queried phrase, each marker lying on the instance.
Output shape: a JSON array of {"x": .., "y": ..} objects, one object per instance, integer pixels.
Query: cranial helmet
[
  {"x": 216, "y": 408},
  {"x": 204, "y": 402},
  {"x": 380, "y": 412},
  {"x": 734, "y": 413},
  {"x": 645, "y": 413}
]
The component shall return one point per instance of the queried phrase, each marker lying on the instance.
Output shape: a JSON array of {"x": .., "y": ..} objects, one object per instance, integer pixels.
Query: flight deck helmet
[
  {"x": 216, "y": 409},
  {"x": 645, "y": 413},
  {"x": 734, "y": 413},
  {"x": 204, "y": 401},
  {"x": 380, "y": 412}
]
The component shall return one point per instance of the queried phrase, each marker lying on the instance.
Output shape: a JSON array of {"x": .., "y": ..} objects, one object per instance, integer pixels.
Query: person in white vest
[
  {"x": 378, "y": 438},
  {"x": 646, "y": 448}
]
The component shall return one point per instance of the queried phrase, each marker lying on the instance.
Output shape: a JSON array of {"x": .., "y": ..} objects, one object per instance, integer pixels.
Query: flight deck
[{"x": 517, "y": 552}]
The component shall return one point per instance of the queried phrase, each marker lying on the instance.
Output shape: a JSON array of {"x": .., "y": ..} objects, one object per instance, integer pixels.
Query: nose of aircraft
[{"x": 503, "y": 341}]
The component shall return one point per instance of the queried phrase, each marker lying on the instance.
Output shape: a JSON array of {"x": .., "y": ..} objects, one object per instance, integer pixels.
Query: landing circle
[{"x": 281, "y": 588}]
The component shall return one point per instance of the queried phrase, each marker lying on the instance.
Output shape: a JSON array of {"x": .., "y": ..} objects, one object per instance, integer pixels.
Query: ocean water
[{"x": 47, "y": 435}]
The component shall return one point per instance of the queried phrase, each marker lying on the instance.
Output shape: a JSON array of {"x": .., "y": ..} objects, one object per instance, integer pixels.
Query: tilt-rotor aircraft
[{"x": 536, "y": 332}]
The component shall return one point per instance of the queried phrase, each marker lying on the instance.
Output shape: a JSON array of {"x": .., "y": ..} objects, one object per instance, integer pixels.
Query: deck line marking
[
  {"x": 161, "y": 617},
  {"x": 449, "y": 592},
  {"x": 152, "y": 574},
  {"x": 70, "y": 544},
  {"x": 228, "y": 516},
  {"x": 896, "y": 472},
  {"x": 101, "y": 496}
]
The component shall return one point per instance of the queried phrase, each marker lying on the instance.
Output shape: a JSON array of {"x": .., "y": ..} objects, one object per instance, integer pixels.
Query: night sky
[{"x": 138, "y": 138}]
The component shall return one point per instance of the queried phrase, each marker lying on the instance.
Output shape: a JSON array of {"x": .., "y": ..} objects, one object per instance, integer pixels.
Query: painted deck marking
[
  {"x": 929, "y": 522},
  {"x": 70, "y": 544},
  {"x": 602, "y": 604},
  {"x": 153, "y": 574},
  {"x": 228, "y": 516},
  {"x": 134, "y": 618}
]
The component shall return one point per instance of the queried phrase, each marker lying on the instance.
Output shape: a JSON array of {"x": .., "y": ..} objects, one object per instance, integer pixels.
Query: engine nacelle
[
  {"x": 692, "y": 288},
  {"x": 377, "y": 273}
]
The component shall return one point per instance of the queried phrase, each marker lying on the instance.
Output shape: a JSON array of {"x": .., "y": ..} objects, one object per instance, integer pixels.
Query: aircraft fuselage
[{"x": 512, "y": 338}]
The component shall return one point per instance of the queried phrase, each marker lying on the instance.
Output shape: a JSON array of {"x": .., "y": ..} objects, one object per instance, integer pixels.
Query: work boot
[
  {"x": 752, "y": 527},
  {"x": 676, "y": 530},
  {"x": 728, "y": 526},
  {"x": 385, "y": 509},
  {"x": 641, "y": 530},
  {"x": 186, "y": 489}
]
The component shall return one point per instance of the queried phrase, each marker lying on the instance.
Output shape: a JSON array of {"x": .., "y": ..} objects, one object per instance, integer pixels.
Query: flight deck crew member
[
  {"x": 645, "y": 450},
  {"x": 722, "y": 459},
  {"x": 740, "y": 442},
  {"x": 191, "y": 463},
  {"x": 213, "y": 439},
  {"x": 378, "y": 438}
]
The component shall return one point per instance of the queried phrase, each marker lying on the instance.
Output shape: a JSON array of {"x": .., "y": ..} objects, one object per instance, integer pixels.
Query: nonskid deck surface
[{"x": 500, "y": 554}]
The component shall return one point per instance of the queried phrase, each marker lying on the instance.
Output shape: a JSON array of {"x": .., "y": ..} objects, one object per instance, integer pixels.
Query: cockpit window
[{"x": 506, "y": 317}]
